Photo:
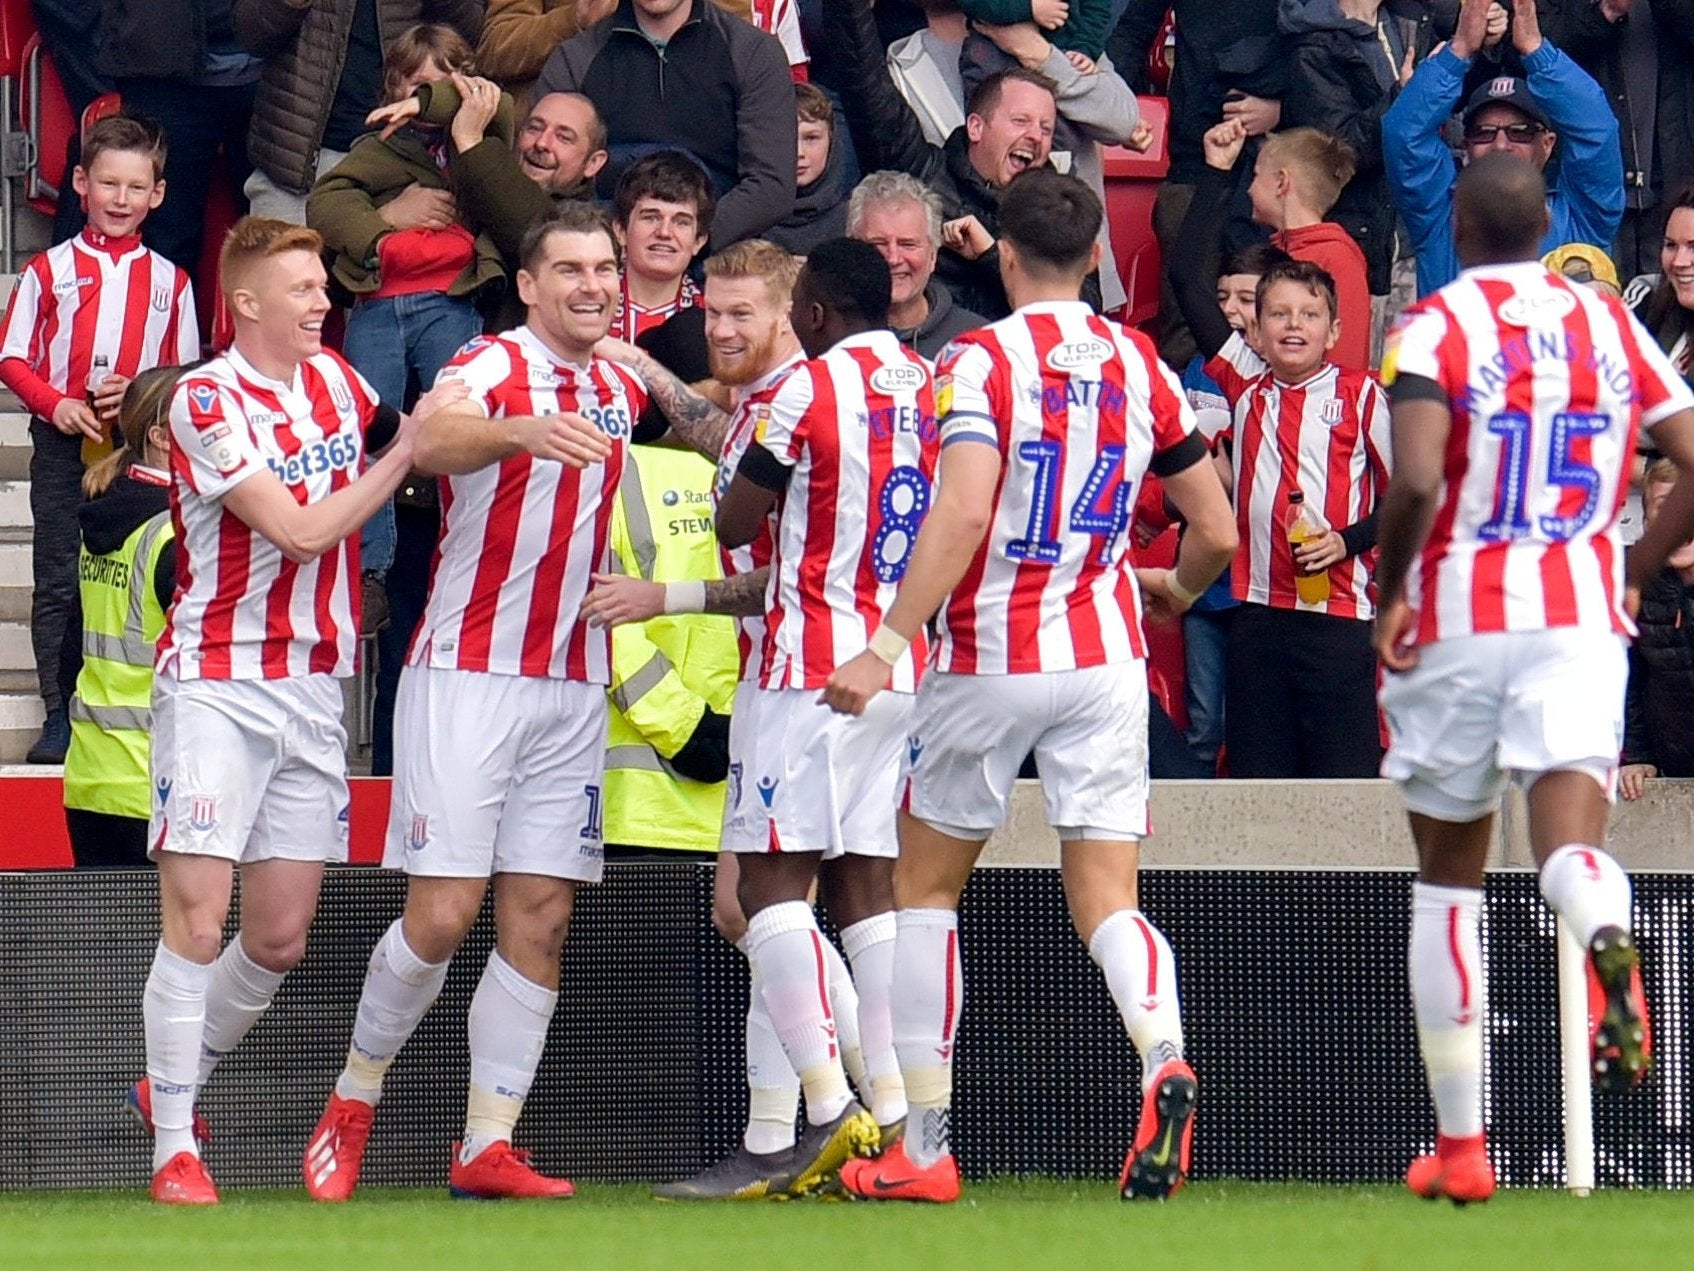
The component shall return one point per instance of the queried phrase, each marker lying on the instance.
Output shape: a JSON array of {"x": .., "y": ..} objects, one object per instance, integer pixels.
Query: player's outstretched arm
[
  {"x": 459, "y": 441},
  {"x": 947, "y": 544},
  {"x": 693, "y": 418},
  {"x": 1422, "y": 421},
  {"x": 618, "y": 599},
  {"x": 1207, "y": 548}
]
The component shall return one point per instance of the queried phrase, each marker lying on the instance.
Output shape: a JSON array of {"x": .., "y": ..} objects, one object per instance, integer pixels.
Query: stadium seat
[
  {"x": 1132, "y": 183},
  {"x": 1166, "y": 676},
  {"x": 17, "y": 28},
  {"x": 1161, "y": 54},
  {"x": 44, "y": 111},
  {"x": 223, "y": 209}
]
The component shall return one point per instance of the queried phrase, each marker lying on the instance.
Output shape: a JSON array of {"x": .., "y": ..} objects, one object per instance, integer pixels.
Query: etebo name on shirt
[{"x": 332, "y": 455}]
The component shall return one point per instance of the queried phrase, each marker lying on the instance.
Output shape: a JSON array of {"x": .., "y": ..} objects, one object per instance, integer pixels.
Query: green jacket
[
  {"x": 495, "y": 197},
  {"x": 344, "y": 207}
]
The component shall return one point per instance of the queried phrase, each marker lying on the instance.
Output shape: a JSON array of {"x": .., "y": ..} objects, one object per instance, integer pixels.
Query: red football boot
[
  {"x": 1158, "y": 1160},
  {"x": 138, "y": 1102},
  {"x": 1459, "y": 1169},
  {"x": 1619, "y": 1030},
  {"x": 336, "y": 1149},
  {"x": 892, "y": 1176},
  {"x": 500, "y": 1172},
  {"x": 183, "y": 1180}
]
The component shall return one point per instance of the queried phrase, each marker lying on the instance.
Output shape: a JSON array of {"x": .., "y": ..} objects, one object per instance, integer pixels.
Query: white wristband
[
  {"x": 1178, "y": 590},
  {"x": 687, "y": 597},
  {"x": 888, "y": 644}
]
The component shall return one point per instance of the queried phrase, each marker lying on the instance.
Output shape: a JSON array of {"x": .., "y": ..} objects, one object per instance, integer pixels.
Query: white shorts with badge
[
  {"x": 1478, "y": 709},
  {"x": 249, "y": 770},
  {"x": 1087, "y": 727},
  {"x": 824, "y": 782},
  {"x": 496, "y": 774},
  {"x": 746, "y": 822}
]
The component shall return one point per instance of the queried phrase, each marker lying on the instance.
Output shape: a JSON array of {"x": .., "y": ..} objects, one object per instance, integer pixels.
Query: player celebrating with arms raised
[
  {"x": 249, "y": 752},
  {"x": 502, "y": 708},
  {"x": 1049, "y": 420},
  {"x": 1517, "y": 397},
  {"x": 847, "y": 443}
]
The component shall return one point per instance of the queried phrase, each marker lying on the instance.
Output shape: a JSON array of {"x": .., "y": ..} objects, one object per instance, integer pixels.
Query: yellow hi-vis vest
[
  {"x": 668, "y": 670},
  {"x": 106, "y": 768}
]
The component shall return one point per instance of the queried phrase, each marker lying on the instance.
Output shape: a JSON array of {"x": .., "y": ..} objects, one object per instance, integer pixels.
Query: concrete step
[
  {"x": 16, "y": 653},
  {"x": 14, "y": 505},
  {"x": 20, "y": 725},
  {"x": 16, "y": 581},
  {"x": 15, "y": 446}
]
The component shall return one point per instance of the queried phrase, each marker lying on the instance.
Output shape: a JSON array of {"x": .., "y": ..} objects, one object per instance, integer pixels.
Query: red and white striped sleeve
[
  {"x": 210, "y": 437},
  {"x": 1414, "y": 347},
  {"x": 971, "y": 393},
  {"x": 483, "y": 365},
  {"x": 184, "y": 340},
  {"x": 1662, "y": 389},
  {"x": 1234, "y": 367},
  {"x": 779, "y": 425}
]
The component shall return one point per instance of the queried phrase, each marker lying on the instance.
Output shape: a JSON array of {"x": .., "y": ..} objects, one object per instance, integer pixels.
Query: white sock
[
  {"x": 400, "y": 987},
  {"x": 1140, "y": 971},
  {"x": 173, "y": 1015},
  {"x": 508, "y": 1027},
  {"x": 844, "y": 1006},
  {"x": 870, "y": 946},
  {"x": 1444, "y": 962},
  {"x": 786, "y": 947},
  {"x": 926, "y": 995},
  {"x": 239, "y": 992},
  {"x": 773, "y": 1091},
  {"x": 1587, "y": 888}
]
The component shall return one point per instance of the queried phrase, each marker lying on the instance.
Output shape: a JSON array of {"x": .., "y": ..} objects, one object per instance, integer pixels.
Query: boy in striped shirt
[{"x": 100, "y": 295}]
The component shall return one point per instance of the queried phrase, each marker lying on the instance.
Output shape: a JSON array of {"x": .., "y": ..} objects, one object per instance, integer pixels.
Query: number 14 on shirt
[{"x": 1100, "y": 509}]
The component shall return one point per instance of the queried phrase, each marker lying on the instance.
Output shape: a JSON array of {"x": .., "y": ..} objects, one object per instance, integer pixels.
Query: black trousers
[
  {"x": 415, "y": 531},
  {"x": 55, "y": 613},
  {"x": 100, "y": 840},
  {"x": 1300, "y": 696}
]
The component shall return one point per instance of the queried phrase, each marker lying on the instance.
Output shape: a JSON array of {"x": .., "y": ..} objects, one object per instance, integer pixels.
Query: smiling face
[
  {"x": 1296, "y": 330},
  {"x": 573, "y": 291},
  {"x": 285, "y": 298},
  {"x": 746, "y": 327},
  {"x": 661, "y": 238},
  {"x": 1676, "y": 255},
  {"x": 555, "y": 147},
  {"x": 1016, "y": 135},
  {"x": 1493, "y": 128},
  {"x": 119, "y": 189},
  {"x": 1238, "y": 297},
  {"x": 900, "y": 232}
]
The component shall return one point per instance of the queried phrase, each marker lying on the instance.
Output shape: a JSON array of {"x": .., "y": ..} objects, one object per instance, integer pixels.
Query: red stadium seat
[
  {"x": 102, "y": 107},
  {"x": 44, "y": 110},
  {"x": 1132, "y": 183},
  {"x": 17, "y": 27},
  {"x": 1166, "y": 674},
  {"x": 223, "y": 209},
  {"x": 1161, "y": 54}
]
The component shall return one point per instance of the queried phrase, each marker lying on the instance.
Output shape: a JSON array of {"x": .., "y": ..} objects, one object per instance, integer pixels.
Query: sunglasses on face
[{"x": 1518, "y": 134}]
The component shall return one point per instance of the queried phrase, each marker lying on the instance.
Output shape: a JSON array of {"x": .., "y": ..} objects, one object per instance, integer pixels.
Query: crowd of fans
[{"x": 1313, "y": 148}]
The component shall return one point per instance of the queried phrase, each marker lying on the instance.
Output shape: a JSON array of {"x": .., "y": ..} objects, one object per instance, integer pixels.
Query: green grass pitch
[{"x": 1009, "y": 1223}]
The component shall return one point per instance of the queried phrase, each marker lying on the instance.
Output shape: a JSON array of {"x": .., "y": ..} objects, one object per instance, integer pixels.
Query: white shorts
[
  {"x": 825, "y": 782},
  {"x": 1479, "y": 708},
  {"x": 1087, "y": 727},
  {"x": 746, "y": 823},
  {"x": 249, "y": 770},
  {"x": 496, "y": 774}
]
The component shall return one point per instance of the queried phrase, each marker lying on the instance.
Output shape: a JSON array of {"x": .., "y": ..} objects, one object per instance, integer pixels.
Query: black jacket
[
  {"x": 1341, "y": 80},
  {"x": 887, "y": 135},
  {"x": 720, "y": 91},
  {"x": 1221, "y": 46},
  {"x": 108, "y": 520},
  {"x": 1659, "y": 708},
  {"x": 944, "y": 321}
]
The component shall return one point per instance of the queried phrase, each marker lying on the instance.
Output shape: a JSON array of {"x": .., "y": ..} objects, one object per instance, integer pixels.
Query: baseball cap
[{"x": 1505, "y": 90}]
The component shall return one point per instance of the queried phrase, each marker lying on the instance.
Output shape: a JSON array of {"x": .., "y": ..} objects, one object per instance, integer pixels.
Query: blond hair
[
  {"x": 254, "y": 239},
  {"x": 756, "y": 258},
  {"x": 1660, "y": 471},
  {"x": 146, "y": 404},
  {"x": 1319, "y": 163}
]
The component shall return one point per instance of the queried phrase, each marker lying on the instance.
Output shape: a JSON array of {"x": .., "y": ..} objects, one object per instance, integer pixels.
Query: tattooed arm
[
  {"x": 617, "y": 599},
  {"x": 693, "y": 419}
]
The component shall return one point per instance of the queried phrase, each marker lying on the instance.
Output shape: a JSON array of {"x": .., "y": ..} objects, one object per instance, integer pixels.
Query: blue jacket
[{"x": 1585, "y": 196}]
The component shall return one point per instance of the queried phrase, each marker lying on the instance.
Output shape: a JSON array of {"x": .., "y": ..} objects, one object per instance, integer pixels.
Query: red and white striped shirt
[
  {"x": 1548, "y": 383},
  {"x": 520, "y": 538},
  {"x": 1327, "y": 437},
  {"x": 781, "y": 18},
  {"x": 92, "y": 295},
  {"x": 632, "y": 321},
  {"x": 243, "y": 610},
  {"x": 857, "y": 426},
  {"x": 750, "y": 631},
  {"x": 1078, "y": 407}
]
